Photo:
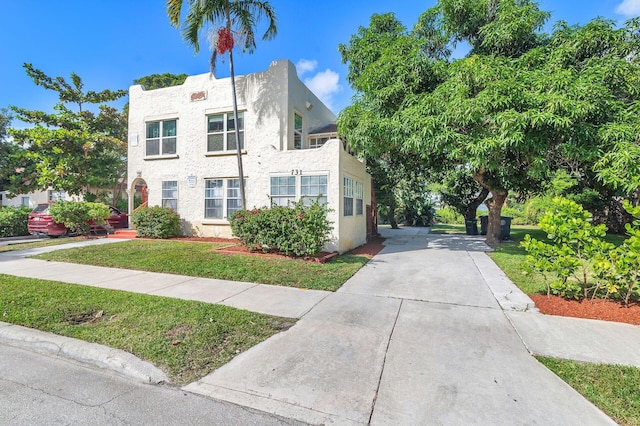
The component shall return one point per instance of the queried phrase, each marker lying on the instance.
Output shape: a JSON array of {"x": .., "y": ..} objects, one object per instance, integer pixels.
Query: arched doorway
[{"x": 138, "y": 195}]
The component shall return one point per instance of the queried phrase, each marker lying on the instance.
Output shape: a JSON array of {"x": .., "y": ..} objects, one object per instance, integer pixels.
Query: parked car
[{"x": 40, "y": 222}]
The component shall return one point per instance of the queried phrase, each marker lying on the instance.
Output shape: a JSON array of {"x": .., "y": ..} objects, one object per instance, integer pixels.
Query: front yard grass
[
  {"x": 186, "y": 339},
  {"x": 612, "y": 388},
  {"x": 198, "y": 260},
  {"x": 36, "y": 244}
]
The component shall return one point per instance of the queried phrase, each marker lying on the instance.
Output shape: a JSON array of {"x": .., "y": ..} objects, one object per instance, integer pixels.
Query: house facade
[
  {"x": 32, "y": 199},
  {"x": 182, "y": 152}
]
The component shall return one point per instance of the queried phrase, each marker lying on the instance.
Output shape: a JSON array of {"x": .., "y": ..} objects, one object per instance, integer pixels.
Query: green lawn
[
  {"x": 186, "y": 339},
  {"x": 36, "y": 244},
  {"x": 612, "y": 388},
  {"x": 198, "y": 259}
]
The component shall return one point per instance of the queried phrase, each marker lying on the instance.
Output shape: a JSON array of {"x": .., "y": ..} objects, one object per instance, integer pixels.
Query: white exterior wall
[
  {"x": 269, "y": 100},
  {"x": 35, "y": 198}
]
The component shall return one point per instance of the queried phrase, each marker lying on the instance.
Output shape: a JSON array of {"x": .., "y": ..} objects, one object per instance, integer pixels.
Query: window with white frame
[
  {"x": 297, "y": 131},
  {"x": 25, "y": 201},
  {"x": 348, "y": 196},
  {"x": 221, "y": 135},
  {"x": 221, "y": 193},
  {"x": 283, "y": 190},
  {"x": 234, "y": 199},
  {"x": 317, "y": 142},
  {"x": 313, "y": 188},
  {"x": 57, "y": 195},
  {"x": 359, "y": 198},
  {"x": 213, "y": 198},
  {"x": 170, "y": 194},
  {"x": 161, "y": 137}
]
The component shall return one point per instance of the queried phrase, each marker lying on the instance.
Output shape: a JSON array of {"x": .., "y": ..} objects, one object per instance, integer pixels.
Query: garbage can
[
  {"x": 471, "y": 226},
  {"x": 505, "y": 228},
  {"x": 484, "y": 224}
]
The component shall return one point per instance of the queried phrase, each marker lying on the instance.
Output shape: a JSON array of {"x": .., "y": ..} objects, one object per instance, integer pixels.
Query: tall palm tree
[{"x": 239, "y": 17}]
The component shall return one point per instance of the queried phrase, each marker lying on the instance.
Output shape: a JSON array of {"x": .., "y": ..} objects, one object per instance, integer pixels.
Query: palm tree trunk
[{"x": 235, "y": 119}]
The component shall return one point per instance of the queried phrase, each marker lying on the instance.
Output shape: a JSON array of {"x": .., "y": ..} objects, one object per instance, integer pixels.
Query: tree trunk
[
  {"x": 498, "y": 197},
  {"x": 470, "y": 213},
  {"x": 391, "y": 217},
  {"x": 235, "y": 120},
  {"x": 495, "y": 203}
]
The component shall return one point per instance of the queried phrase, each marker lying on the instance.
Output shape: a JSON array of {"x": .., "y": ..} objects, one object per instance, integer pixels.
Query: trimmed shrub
[
  {"x": 13, "y": 221},
  {"x": 298, "y": 230},
  {"x": 78, "y": 216},
  {"x": 449, "y": 216},
  {"x": 156, "y": 222}
]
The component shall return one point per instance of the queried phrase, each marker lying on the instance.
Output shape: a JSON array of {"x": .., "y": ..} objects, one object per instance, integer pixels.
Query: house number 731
[{"x": 296, "y": 172}]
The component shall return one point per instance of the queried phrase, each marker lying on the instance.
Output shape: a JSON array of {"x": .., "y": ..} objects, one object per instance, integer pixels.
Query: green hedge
[
  {"x": 156, "y": 222},
  {"x": 299, "y": 230},
  {"x": 13, "y": 221}
]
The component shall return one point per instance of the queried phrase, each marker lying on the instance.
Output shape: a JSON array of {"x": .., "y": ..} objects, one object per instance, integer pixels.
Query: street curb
[{"x": 91, "y": 354}]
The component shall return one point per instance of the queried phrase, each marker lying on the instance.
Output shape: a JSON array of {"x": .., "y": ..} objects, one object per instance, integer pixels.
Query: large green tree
[
  {"x": 231, "y": 21},
  {"x": 6, "y": 147},
  {"x": 520, "y": 104},
  {"x": 74, "y": 148},
  {"x": 158, "y": 81}
]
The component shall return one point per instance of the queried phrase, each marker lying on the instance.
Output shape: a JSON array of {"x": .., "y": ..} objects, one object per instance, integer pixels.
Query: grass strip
[
  {"x": 615, "y": 389},
  {"x": 186, "y": 339},
  {"x": 199, "y": 260},
  {"x": 38, "y": 244}
]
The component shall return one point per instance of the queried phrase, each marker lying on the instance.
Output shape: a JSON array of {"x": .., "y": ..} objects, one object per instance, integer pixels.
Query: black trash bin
[
  {"x": 471, "y": 226},
  {"x": 505, "y": 228},
  {"x": 484, "y": 224}
]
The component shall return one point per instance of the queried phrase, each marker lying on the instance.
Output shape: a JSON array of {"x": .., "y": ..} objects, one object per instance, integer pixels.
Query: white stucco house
[
  {"x": 32, "y": 199},
  {"x": 182, "y": 152}
]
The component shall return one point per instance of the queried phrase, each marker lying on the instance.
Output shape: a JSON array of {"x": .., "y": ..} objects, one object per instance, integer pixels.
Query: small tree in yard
[
  {"x": 578, "y": 262},
  {"x": 78, "y": 216}
]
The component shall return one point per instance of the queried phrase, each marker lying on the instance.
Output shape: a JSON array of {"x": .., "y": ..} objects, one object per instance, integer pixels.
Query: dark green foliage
[
  {"x": 77, "y": 216},
  {"x": 73, "y": 148},
  {"x": 158, "y": 81},
  {"x": 299, "y": 229},
  {"x": 13, "y": 221},
  {"x": 156, "y": 222}
]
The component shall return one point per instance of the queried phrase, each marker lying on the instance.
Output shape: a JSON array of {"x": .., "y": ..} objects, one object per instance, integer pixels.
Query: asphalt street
[{"x": 41, "y": 390}]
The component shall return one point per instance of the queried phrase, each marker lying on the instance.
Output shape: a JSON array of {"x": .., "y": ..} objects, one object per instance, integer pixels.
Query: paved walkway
[{"x": 429, "y": 332}]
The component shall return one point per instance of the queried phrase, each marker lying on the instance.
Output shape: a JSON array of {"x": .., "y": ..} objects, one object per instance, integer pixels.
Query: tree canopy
[
  {"x": 73, "y": 148},
  {"x": 520, "y": 104}
]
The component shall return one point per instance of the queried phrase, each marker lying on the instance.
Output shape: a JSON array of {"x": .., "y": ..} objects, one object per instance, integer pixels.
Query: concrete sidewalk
[{"x": 428, "y": 332}]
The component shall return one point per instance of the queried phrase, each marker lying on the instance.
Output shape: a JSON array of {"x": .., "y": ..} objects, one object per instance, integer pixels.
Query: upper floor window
[
  {"x": 297, "y": 131},
  {"x": 161, "y": 137},
  {"x": 317, "y": 142},
  {"x": 221, "y": 135}
]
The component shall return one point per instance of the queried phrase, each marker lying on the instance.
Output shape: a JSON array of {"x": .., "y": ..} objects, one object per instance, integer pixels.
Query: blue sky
[{"x": 111, "y": 43}]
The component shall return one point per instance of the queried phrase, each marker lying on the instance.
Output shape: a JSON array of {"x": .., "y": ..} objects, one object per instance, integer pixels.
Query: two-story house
[{"x": 182, "y": 152}]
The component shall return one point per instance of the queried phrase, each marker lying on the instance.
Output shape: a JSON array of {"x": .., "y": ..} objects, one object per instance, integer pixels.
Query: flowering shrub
[
  {"x": 295, "y": 230},
  {"x": 156, "y": 222}
]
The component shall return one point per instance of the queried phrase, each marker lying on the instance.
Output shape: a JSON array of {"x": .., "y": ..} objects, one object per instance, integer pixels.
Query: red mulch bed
[
  {"x": 368, "y": 250},
  {"x": 607, "y": 310}
]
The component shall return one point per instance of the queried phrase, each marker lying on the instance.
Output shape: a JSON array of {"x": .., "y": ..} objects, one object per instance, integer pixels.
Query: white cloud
[
  {"x": 306, "y": 65},
  {"x": 325, "y": 85},
  {"x": 629, "y": 8}
]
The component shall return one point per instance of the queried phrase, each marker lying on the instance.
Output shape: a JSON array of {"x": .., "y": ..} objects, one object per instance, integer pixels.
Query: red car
[{"x": 41, "y": 223}]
